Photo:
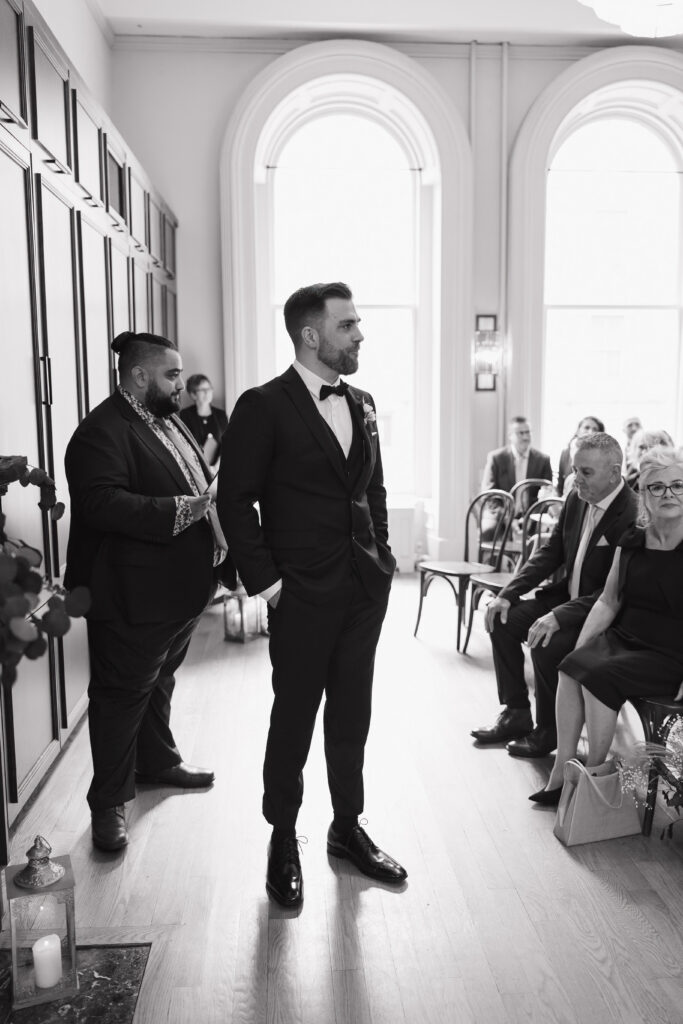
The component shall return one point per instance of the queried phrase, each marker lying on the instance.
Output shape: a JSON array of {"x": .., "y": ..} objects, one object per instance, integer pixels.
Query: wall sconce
[{"x": 487, "y": 353}]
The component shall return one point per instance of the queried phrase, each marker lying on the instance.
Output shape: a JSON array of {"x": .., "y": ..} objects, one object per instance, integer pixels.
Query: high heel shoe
[{"x": 547, "y": 797}]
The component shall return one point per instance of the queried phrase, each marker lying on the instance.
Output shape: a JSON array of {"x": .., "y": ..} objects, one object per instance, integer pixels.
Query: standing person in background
[
  {"x": 305, "y": 446},
  {"x": 146, "y": 541},
  {"x": 206, "y": 422},
  {"x": 631, "y": 425},
  {"x": 588, "y": 425}
]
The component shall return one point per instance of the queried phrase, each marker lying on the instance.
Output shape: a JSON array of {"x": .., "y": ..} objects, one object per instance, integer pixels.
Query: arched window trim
[
  {"x": 539, "y": 136},
  {"x": 448, "y": 392}
]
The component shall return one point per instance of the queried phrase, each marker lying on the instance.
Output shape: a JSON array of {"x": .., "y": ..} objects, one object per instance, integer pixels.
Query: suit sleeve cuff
[{"x": 271, "y": 591}]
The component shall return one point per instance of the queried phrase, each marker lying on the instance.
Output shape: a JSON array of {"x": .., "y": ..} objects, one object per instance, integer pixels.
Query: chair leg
[
  {"x": 423, "y": 591},
  {"x": 474, "y": 604},
  {"x": 461, "y": 601}
]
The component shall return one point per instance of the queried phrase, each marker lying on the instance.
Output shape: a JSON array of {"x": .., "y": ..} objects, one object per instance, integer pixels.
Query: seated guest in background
[
  {"x": 588, "y": 425},
  {"x": 206, "y": 422},
  {"x": 517, "y": 461},
  {"x": 581, "y": 546},
  {"x": 631, "y": 424},
  {"x": 631, "y": 644},
  {"x": 641, "y": 442}
]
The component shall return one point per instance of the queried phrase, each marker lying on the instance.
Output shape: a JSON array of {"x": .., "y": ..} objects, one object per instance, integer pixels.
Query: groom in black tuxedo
[{"x": 305, "y": 447}]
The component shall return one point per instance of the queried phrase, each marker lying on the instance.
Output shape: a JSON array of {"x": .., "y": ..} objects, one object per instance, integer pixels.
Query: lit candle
[{"x": 47, "y": 961}]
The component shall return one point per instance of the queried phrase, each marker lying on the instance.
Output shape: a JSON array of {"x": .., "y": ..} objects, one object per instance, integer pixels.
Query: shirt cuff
[
  {"x": 183, "y": 514},
  {"x": 271, "y": 591}
]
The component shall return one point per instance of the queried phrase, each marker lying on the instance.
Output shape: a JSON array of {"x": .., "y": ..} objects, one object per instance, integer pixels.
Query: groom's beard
[{"x": 345, "y": 362}]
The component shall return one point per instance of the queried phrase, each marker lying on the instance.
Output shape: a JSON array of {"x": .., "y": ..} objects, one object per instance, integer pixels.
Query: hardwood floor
[{"x": 498, "y": 922}]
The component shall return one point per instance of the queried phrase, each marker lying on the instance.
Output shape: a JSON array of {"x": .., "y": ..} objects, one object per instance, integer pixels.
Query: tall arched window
[
  {"x": 345, "y": 206},
  {"x": 613, "y": 278}
]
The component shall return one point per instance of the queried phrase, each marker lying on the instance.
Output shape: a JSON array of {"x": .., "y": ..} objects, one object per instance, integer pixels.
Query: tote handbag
[{"x": 592, "y": 805}]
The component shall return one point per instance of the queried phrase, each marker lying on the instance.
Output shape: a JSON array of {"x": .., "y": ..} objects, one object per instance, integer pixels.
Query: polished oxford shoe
[
  {"x": 539, "y": 743},
  {"x": 511, "y": 724},
  {"x": 185, "y": 776},
  {"x": 284, "y": 879},
  {"x": 547, "y": 797},
  {"x": 359, "y": 848},
  {"x": 109, "y": 828}
]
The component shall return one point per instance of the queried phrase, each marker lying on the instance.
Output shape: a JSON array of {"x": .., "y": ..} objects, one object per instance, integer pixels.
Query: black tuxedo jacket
[
  {"x": 559, "y": 553},
  {"x": 122, "y": 483},
  {"x": 278, "y": 451},
  {"x": 500, "y": 469}
]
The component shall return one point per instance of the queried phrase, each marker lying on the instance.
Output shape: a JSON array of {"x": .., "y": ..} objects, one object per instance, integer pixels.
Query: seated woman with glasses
[
  {"x": 631, "y": 644},
  {"x": 206, "y": 422}
]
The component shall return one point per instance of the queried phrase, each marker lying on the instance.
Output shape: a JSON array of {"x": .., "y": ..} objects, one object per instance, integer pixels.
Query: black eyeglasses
[{"x": 658, "y": 490}]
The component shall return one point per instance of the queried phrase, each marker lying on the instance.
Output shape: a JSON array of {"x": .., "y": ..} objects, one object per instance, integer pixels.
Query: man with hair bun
[
  {"x": 145, "y": 540},
  {"x": 579, "y": 551}
]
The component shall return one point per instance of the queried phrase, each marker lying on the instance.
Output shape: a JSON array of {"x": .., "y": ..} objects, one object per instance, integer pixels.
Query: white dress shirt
[{"x": 594, "y": 514}]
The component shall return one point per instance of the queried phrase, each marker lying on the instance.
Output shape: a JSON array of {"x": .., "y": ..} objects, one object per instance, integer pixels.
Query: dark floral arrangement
[{"x": 32, "y": 607}]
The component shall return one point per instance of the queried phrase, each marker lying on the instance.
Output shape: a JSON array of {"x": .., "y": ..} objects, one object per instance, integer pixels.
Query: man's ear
[
  {"x": 140, "y": 376},
  {"x": 309, "y": 336}
]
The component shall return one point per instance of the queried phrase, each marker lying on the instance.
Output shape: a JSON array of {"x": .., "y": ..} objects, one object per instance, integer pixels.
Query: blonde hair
[{"x": 662, "y": 456}]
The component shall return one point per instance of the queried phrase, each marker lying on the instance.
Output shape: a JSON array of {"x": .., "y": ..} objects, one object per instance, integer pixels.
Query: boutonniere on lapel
[{"x": 368, "y": 414}]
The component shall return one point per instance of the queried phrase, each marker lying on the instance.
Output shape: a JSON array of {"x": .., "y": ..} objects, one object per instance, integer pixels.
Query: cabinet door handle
[{"x": 47, "y": 380}]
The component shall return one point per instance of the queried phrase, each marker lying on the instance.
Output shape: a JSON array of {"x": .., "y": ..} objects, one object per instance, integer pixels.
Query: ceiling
[{"x": 565, "y": 22}]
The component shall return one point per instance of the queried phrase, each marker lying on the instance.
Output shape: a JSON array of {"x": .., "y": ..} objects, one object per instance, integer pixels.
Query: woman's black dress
[{"x": 641, "y": 654}]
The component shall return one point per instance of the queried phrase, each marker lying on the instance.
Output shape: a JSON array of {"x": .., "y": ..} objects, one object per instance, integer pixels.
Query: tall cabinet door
[
  {"x": 30, "y": 712},
  {"x": 63, "y": 365},
  {"x": 94, "y": 317}
]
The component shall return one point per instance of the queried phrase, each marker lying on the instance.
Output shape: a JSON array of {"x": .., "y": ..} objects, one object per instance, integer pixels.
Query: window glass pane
[
  {"x": 344, "y": 208},
  {"x": 611, "y": 364},
  {"x": 612, "y": 218}
]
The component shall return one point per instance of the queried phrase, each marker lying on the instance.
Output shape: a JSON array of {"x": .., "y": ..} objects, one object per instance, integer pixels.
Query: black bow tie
[{"x": 327, "y": 389}]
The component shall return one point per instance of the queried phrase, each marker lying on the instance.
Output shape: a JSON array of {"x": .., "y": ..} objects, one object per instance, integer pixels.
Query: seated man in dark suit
[
  {"x": 517, "y": 461},
  {"x": 146, "y": 541},
  {"x": 580, "y": 548}
]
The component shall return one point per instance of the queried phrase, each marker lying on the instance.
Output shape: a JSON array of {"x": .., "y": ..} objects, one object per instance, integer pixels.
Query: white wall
[
  {"x": 86, "y": 40},
  {"x": 172, "y": 101}
]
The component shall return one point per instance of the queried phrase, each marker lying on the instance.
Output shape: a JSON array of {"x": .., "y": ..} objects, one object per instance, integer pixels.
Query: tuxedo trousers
[
  {"x": 132, "y": 678},
  {"x": 508, "y": 658},
  {"x": 320, "y": 647}
]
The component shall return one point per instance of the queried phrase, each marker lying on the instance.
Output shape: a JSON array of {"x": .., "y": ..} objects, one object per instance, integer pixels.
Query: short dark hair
[
  {"x": 133, "y": 349},
  {"x": 193, "y": 382},
  {"x": 308, "y": 304},
  {"x": 515, "y": 421},
  {"x": 603, "y": 443}
]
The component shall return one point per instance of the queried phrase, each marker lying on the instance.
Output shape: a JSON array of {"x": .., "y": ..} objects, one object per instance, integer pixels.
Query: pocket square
[{"x": 602, "y": 543}]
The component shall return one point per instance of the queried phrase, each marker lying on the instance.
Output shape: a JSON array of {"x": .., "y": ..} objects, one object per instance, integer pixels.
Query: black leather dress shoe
[
  {"x": 547, "y": 797},
  {"x": 109, "y": 828},
  {"x": 185, "y": 776},
  {"x": 511, "y": 724},
  {"x": 359, "y": 848},
  {"x": 284, "y": 879},
  {"x": 539, "y": 743}
]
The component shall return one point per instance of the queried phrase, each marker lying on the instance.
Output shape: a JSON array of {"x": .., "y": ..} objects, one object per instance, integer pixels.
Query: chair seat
[
  {"x": 492, "y": 579},
  {"x": 455, "y": 568},
  {"x": 657, "y": 704}
]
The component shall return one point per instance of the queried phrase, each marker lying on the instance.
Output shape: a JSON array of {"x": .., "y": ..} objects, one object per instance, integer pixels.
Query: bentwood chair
[
  {"x": 537, "y": 522},
  {"x": 494, "y": 506},
  {"x": 658, "y": 716},
  {"x": 525, "y": 493}
]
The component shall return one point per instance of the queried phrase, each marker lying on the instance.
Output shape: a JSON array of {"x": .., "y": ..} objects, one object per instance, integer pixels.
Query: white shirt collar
[
  {"x": 608, "y": 499},
  {"x": 312, "y": 381}
]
